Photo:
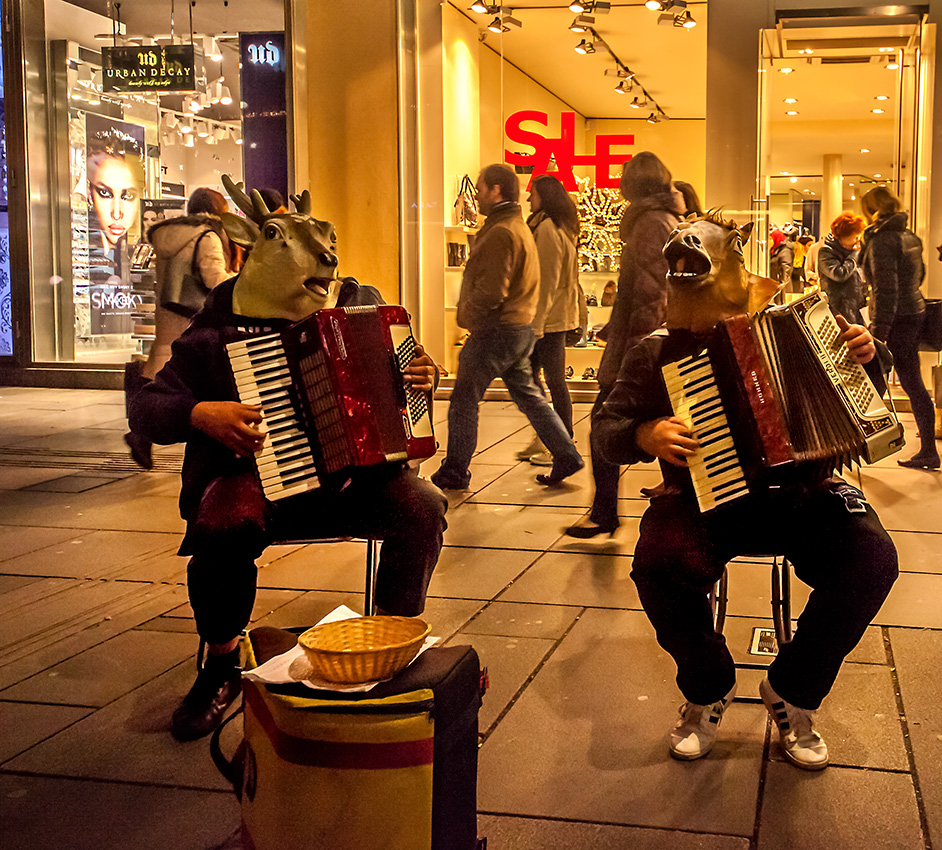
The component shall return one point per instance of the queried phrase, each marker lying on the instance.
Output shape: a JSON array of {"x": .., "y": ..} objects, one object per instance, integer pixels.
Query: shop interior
[
  {"x": 148, "y": 151},
  {"x": 842, "y": 107}
]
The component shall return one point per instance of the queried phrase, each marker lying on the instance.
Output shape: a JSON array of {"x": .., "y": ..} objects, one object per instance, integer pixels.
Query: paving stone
[
  {"x": 16, "y": 540},
  {"x": 579, "y": 578},
  {"x": 472, "y": 573},
  {"x": 105, "y": 672},
  {"x": 523, "y": 620},
  {"x": 508, "y": 526},
  {"x": 42, "y": 812},
  {"x": 603, "y": 721},
  {"x": 129, "y": 741},
  {"x": 510, "y": 833},
  {"x": 851, "y": 809},
  {"x": 509, "y": 662},
  {"x": 913, "y": 601},
  {"x": 22, "y": 725},
  {"x": 916, "y": 653}
]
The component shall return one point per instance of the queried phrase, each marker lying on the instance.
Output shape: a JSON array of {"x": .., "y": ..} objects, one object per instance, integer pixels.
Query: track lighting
[
  {"x": 189, "y": 142},
  {"x": 624, "y": 87},
  {"x": 503, "y": 22},
  {"x": 685, "y": 20},
  {"x": 225, "y": 97},
  {"x": 653, "y": 118},
  {"x": 577, "y": 8},
  {"x": 186, "y": 126},
  {"x": 170, "y": 121},
  {"x": 497, "y": 26},
  {"x": 480, "y": 8},
  {"x": 637, "y": 104},
  {"x": 202, "y": 129},
  {"x": 581, "y": 23},
  {"x": 211, "y": 48},
  {"x": 584, "y": 47}
]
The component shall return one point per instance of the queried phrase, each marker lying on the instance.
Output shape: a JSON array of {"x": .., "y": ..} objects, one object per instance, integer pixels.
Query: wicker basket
[{"x": 363, "y": 649}]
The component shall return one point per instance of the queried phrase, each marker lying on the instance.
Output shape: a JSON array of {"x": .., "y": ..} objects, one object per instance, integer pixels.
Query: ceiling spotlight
[
  {"x": 878, "y": 111},
  {"x": 581, "y": 23},
  {"x": 577, "y": 8},
  {"x": 685, "y": 20},
  {"x": 225, "y": 97},
  {"x": 170, "y": 120},
  {"x": 202, "y": 129},
  {"x": 887, "y": 49},
  {"x": 238, "y": 140},
  {"x": 637, "y": 104},
  {"x": 584, "y": 47},
  {"x": 211, "y": 48},
  {"x": 653, "y": 118},
  {"x": 624, "y": 87},
  {"x": 791, "y": 100},
  {"x": 784, "y": 173},
  {"x": 600, "y": 8},
  {"x": 654, "y": 5},
  {"x": 785, "y": 70},
  {"x": 892, "y": 66},
  {"x": 186, "y": 126},
  {"x": 877, "y": 175},
  {"x": 496, "y": 26},
  {"x": 882, "y": 97},
  {"x": 792, "y": 179},
  {"x": 189, "y": 142},
  {"x": 503, "y": 22},
  {"x": 864, "y": 150},
  {"x": 221, "y": 133},
  {"x": 791, "y": 112},
  {"x": 480, "y": 8}
]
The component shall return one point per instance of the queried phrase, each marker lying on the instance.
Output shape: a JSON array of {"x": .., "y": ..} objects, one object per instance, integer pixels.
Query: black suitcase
[{"x": 343, "y": 771}]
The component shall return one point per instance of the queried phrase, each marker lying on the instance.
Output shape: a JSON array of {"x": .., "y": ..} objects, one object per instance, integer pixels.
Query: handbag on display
[
  {"x": 184, "y": 294},
  {"x": 466, "y": 206},
  {"x": 932, "y": 326}
]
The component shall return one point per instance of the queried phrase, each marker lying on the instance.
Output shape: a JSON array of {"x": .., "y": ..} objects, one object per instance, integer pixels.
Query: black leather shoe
[
  {"x": 140, "y": 450},
  {"x": 202, "y": 709},
  {"x": 561, "y": 470},
  {"x": 921, "y": 461},
  {"x": 587, "y": 528},
  {"x": 444, "y": 481}
]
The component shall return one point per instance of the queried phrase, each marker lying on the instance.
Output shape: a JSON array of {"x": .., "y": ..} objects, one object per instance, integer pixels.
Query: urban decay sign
[
  {"x": 153, "y": 68},
  {"x": 563, "y": 149}
]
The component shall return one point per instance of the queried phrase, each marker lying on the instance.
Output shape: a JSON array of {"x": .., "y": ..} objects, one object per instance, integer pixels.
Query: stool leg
[
  {"x": 782, "y": 600},
  {"x": 718, "y": 600},
  {"x": 372, "y": 564}
]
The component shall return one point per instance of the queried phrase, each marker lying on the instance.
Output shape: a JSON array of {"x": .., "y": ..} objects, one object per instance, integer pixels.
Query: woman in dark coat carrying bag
[
  {"x": 893, "y": 267},
  {"x": 640, "y": 307}
]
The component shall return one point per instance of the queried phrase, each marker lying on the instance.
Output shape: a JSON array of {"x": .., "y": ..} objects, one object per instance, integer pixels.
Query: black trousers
[
  {"x": 549, "y": 354},
  {"x": 406, "y": 511},
  {"x": 847, "y": 558},
  {"x": 903, "y": 342}
]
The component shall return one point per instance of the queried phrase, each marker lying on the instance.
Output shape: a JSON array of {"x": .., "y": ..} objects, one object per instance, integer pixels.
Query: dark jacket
[
  {"x": 891, "y": 259},
  {"x": 501, "y": 280},
  {"x": 840, "y": 277},
  {"x": 641, "y": 303},
  {"x": 198, "y": 371}
]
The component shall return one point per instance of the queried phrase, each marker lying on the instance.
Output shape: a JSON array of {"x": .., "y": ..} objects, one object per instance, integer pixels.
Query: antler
[
  {"x": 302, "y": 202},
  {"x": 254, "y": 207}
]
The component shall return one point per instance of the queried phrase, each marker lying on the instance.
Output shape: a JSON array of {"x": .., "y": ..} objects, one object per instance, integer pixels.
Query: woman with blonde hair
[{"x": 893, "y": 267}]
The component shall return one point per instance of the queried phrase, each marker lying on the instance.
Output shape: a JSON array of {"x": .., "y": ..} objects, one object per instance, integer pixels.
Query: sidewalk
[{"x": 98, "y": 647}]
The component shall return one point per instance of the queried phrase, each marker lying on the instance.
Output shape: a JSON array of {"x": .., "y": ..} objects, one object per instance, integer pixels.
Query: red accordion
[{"x": 333, "y": 396}]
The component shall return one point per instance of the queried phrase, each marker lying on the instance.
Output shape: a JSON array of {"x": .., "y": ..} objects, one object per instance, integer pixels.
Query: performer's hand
[
  {"x": 235, "y": 425},
  {"x": 668, "y": 439},
  {"x": 858, "y": 340},
  {"x": 420, "y": 373}
]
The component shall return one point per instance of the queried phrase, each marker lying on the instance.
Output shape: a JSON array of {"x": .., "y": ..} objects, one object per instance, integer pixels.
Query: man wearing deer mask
[
  {"x": 291, "y": 273},
  {"x": 848, "y": 558}
]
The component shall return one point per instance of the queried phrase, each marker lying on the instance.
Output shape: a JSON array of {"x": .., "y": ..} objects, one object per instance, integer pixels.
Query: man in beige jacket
[{"x": 497, "y": 303}]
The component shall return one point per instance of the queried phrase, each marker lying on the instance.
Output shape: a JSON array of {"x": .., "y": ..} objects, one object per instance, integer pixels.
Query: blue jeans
[{"x": 502, "y": 352}]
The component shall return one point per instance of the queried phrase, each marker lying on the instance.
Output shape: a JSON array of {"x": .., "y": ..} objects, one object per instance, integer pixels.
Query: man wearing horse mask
[{"x": 824, "y": 527}]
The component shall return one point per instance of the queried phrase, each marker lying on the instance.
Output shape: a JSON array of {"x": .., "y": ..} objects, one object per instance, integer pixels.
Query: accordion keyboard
[
  {"x": 285, "y": 462},
  {"x": 715, "y": 469}
]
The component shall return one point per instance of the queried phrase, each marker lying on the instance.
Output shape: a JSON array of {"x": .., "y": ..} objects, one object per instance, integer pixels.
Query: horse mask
[{"x": 707, "y": 277}]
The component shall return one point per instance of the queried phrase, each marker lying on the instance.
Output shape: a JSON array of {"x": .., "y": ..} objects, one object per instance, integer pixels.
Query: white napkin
[{"x": 293, "y": 666}]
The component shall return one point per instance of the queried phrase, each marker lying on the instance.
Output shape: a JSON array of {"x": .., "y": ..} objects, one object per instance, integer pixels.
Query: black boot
[
  {"x": 139, "y": 446},
  {"x": 217, "y": 684}
]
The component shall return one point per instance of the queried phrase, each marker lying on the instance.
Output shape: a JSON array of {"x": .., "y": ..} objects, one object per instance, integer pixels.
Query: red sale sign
[{"x": 563, "y": 149}]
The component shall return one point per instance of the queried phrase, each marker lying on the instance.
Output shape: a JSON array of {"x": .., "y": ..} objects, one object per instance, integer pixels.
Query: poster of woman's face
[{"x": 114, "y": 165}]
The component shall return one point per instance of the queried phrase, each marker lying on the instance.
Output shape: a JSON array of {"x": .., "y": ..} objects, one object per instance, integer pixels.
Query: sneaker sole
[
  {"x": 801, "y": 764},
  {"x": 685, "y": 757}
]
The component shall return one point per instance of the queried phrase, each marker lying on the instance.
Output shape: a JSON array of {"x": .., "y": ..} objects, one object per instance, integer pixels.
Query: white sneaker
[
  {"x": 802, "y": 746},
  {"x": 695, "y": 733},
  {"x": 536, "y": 446},
  {"x": 541, "y": 459}
]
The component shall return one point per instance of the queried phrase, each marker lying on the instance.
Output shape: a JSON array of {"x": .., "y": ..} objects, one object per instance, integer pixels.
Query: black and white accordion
[
  {"x": 773, "y": 394},
  {"x": 333, "y": 396}
]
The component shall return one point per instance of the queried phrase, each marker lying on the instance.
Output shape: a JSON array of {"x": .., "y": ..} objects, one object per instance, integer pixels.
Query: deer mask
[
  {"x": 291, "y": 263},
  {"x": 707, "y": 278}
]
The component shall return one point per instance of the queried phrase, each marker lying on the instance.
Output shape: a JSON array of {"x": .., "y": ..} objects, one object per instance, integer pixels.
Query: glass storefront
[{"x": 118, "y": 153}]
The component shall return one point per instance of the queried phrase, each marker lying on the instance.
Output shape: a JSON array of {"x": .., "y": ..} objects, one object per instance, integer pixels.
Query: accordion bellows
[{"x": 775, "y": 394}]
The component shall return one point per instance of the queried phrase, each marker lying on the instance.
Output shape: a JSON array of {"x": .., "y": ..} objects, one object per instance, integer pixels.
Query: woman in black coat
[
  {"x": 838, "y": 269},
  {"x": 892, "y": 264},
  {"x": 640, "y": 307}
]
